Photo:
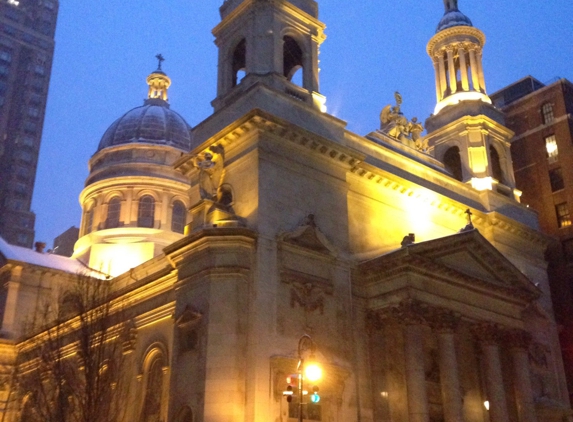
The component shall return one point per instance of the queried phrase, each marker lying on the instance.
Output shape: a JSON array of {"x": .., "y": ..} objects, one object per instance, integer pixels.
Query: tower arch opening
[
  {"x": 239, "y": 62},
  {"x": 496, "y": 169},
  {"x": 293, "y": 60},
  {"x": 453, "y": 163}
]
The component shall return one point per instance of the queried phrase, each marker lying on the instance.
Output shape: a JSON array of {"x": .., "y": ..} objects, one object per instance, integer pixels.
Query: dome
[
  {"x": 453, "y": 18},
  {"x": 153, "y": 123}
]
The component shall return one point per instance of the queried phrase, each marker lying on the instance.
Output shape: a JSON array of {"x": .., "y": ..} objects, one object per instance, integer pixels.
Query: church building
[{"x": 269, "y": 234}]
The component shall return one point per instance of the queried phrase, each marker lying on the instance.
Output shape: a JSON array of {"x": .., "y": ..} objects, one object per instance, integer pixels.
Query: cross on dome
[{"x": 160, "y": 59}]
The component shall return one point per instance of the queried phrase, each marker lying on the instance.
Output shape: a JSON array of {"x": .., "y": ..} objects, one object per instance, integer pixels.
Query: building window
[
  {"x": 113, "y": 212},
  {"x": 146, "y": 212},
  {"x": 556, "y": 179},
  {"x": 33, "y": 112},
  {"x": 551, "y": 147},
  {"x": 153, "y": 391},
  {"x": 547, "y": 113},
  {"x": 563, "y": 215},
  {"x": 178, "y": 217}
]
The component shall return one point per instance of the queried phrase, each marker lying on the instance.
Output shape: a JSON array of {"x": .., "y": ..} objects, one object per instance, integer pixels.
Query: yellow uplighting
[
  {"x": 482, "y": 183},
  {"x": 461, "y": 96},
  {"x": 313, "y": 372}
]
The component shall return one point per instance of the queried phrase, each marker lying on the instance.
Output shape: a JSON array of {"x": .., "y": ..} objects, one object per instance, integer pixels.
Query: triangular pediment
[
  {"x": 309, "y": 236},
  {"x": 466, "y": 259}
]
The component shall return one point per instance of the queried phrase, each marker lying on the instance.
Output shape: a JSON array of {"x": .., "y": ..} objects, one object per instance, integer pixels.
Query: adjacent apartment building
[
  {"x": 542, "y": 117},
  {"x": 27, "y": 30}
]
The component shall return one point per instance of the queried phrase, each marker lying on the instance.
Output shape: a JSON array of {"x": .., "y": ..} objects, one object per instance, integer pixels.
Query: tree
[{"x": 73, "y": 370}]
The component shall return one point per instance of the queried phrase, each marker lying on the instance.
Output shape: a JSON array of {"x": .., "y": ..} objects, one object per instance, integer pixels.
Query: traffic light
[
  {"x": 315, "y": 398},
  {"x": 288, "y": 393}
]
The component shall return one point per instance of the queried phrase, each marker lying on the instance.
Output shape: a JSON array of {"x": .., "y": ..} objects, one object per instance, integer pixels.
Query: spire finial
[
  {"x": 451, "y": 5},
  {"x": 160, "y": 59}
]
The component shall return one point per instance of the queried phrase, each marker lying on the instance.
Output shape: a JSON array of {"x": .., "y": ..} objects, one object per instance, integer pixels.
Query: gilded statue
[{"x": 395, "y": 125}]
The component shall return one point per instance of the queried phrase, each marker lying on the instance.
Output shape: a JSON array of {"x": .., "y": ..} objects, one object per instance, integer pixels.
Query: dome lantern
[{"x": 158, "y": 82}]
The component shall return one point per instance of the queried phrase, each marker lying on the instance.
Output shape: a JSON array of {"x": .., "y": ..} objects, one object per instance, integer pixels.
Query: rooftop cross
[
  {"x": 161, "y": 59},
  {"x": 469, "y": 214}
]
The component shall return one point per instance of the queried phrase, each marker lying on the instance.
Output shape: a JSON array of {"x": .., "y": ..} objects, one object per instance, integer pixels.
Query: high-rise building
[
  {"x": 27, "y": 30},
  {"x": 542, "y": 152}
]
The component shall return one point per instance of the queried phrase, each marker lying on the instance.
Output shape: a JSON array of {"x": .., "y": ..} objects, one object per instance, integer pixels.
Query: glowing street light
[{"x": 310, "y": 371}]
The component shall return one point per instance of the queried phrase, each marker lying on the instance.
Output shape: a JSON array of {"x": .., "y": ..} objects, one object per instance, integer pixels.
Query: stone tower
[{"x": 466, "y": 132}]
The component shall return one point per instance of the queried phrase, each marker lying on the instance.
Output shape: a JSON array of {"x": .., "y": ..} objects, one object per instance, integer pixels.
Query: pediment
[
  {"x": 309, "y": 236},
  {"x": 466, "y": 259}
]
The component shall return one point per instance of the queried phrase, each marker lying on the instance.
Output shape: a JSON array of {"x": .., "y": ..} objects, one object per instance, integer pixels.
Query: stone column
[
  {"x": 518, "y": 342},
  {"x": 438, "y": 85},
  {"x": 488, "y": 337},
  {"x": 474, "y": 69},
  {"x": 452, "y": 70},
  {"x": 444, "y": 324},
  {"x": 443, "y": 80},
  {"x": 411, "y": 315},
  {"x": 480, "y": 71},
  {"x": 463, "y": 67},
  {"x": 415, "y": 373}
]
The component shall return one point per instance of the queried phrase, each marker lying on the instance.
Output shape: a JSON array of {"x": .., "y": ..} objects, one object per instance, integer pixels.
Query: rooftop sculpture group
[{"x": 394, "y": 124}]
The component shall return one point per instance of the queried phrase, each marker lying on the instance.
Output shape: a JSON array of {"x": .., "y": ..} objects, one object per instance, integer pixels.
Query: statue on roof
[{"x": 394, "y": 124}]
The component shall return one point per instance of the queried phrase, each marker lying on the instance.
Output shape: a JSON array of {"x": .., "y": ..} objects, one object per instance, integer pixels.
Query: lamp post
[{"x": 310, "y": 370}]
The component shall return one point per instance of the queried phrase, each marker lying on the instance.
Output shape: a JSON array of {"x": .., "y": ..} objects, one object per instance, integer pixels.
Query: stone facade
[{"x": 426, "y": 297}]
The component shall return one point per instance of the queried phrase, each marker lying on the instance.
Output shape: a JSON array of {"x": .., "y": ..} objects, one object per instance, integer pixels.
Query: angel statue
[
  {"x": 392, "y": 121},
  {"x": 211, "y": 167},
  {"x": 395, "y": 125}
]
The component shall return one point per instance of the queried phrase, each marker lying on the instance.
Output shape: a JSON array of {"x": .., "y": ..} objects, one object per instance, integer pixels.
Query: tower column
[
  {"x": 443, "y": 79},
  {"x": 438, "y": 76},
  {"x": 463, "y": 67},
  {"x": 452, "y": 70},
  {"x": 474, "y": 69},
  {"x": 480, "y": 71}
]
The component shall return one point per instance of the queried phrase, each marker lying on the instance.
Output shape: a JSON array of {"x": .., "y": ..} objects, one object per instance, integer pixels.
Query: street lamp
[{"x": 308, "y": 370}]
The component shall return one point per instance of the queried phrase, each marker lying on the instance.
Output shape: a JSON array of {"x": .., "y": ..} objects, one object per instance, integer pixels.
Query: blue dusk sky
[{"x": 105, "y": 50}]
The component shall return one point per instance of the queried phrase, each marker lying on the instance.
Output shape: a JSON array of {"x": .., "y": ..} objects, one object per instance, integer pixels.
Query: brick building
[{"x": 542, "y": 152}]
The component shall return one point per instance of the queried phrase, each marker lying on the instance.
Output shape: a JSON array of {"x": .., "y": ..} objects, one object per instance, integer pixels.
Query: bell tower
[
  {"x": 466, "y": 132},
  {"x": 275, "y": 43}
]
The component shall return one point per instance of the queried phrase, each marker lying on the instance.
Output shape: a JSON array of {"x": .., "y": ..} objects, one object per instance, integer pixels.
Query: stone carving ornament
[
  {"x": 211, "y": 166},
  {"x": 393, "y": 123}
]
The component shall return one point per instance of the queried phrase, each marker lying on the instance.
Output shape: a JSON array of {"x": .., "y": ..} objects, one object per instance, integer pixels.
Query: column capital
[
  {"x": 487, "y": 334},
  {"x": 518, "y": 339},
  {"x": 443, "y": 320}
]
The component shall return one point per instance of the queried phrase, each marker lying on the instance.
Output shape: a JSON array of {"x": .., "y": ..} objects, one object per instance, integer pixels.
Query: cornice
[
  {"x": 453, "y": 32},
  {"x": 258, "y": 121}
]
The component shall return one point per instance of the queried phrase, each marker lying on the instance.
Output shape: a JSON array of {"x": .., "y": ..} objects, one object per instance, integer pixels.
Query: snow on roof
[{"x": 55, "y": 262}]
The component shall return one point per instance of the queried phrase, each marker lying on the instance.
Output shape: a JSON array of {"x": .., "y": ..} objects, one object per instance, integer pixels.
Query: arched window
[
  {"x": 178, "y": 217},
  {"x": 453, "y": 162},
  {"x": 89, "y": 222},
  {"x": 113, "y": 213},
  {"x": 292, "y": 57},
  {"x": 239, "y": 61},
  {"x": 153, "y": 391},
  {"x": 496, "y": 171},
  {"x": 146, "y": 212}
]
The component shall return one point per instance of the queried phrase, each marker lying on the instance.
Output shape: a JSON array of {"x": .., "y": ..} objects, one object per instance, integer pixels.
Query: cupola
[
  {"x": 135, "y": 203},
  {"x": 456, "y": 51}
]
